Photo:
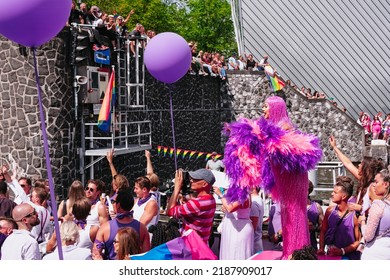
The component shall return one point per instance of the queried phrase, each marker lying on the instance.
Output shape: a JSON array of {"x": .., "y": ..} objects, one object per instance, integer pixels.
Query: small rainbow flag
[
  {"x": 165, "y": 150},
  {"x": 158, "y": 150},
  {"x": 185, "y": 152},
  {"x": 200, "y": 154},
  {"x": 208, "y": 156},
  {"x": 178, "y": 151},
  {"x": 171, "y": 152},
  {"x": 276, "y": 83},
  {"x": 217, "y": 156},
  {"x": 192, "y": 153},
  {"x": 104, "y": 120}
]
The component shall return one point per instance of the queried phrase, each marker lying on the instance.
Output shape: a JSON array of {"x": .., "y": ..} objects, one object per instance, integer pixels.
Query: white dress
[
  {"x": 237, "y": 236},
  {"x": 379, "y": 247}
]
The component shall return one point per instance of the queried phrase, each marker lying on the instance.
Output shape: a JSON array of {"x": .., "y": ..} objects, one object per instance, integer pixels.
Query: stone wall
[{"x": 21, "y": 138}]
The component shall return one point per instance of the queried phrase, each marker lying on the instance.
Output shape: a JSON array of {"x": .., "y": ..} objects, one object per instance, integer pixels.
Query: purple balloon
[
  {"x": 167, "y": 57},
  {"x": 33, "y": 22}
]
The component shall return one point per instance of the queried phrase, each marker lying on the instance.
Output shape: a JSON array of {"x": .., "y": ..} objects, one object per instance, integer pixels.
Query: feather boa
[{"x": 254, "y": 146}]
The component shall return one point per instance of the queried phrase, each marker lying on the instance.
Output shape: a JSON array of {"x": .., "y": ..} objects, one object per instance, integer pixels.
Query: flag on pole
[
  {"x": 276, "y": 83},
  {"x": 104, "y": 120}
]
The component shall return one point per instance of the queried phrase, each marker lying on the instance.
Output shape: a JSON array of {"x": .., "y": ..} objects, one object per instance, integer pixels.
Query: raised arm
[
  {"x": 176, "y": 190},
  {"x": 110, "y": 157},
  {"x": 128, "y": 16},
  {"x": 149, "y": 165},
  {"x": 20, "y": 195},
  {"x": 344, "y": 159}
]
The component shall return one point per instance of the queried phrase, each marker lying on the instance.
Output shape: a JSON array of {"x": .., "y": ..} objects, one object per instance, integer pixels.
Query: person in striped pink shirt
[{"x": 198, "y": 212}]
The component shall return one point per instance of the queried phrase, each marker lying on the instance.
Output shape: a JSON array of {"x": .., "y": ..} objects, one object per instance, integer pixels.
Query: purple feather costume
[{"x": 272, "y": 154}]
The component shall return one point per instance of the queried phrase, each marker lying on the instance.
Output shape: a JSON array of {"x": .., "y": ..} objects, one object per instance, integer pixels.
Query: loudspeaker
[{"x": 81, "y": 80}]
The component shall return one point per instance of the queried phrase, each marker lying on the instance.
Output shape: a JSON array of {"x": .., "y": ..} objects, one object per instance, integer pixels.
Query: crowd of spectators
[
  {"x": 105, "y": 29},
  {"x": 207, "y": 63},
  {"x": 375, "y": 128}
]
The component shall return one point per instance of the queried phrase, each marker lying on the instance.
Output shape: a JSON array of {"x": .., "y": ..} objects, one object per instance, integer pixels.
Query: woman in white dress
[
  {"x": 377, "y": 230},
  {"x": 237, "y": 235}
]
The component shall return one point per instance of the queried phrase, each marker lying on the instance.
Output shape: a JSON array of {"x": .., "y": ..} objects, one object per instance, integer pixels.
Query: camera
[{"x": 186, "y": 182}]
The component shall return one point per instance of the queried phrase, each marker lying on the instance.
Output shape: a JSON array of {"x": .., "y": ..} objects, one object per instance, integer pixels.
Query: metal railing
[{"x": 333, "y": 170}]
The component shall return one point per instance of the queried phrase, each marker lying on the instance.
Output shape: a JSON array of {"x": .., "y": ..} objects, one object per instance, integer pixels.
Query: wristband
[{"x": 343, "y": 251}]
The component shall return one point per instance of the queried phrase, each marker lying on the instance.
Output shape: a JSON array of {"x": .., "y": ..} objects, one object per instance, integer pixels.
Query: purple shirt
[
  {"x": 344, "y": 234},
  {"x": 114, "y": 226}
]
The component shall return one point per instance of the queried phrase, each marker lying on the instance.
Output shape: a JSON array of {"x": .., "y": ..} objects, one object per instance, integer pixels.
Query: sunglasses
[
  {"x": 89, "y": 189},
  {"x": 33, "y": 213}
]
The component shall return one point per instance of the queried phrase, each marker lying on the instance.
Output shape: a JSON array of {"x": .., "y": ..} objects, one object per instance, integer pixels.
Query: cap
[
  {"x": 203, "y": 174},
  {"x": 213, "y": 153}
]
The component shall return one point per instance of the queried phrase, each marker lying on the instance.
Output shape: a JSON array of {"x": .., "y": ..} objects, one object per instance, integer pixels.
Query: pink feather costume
[{"x": 272, "y": 154}]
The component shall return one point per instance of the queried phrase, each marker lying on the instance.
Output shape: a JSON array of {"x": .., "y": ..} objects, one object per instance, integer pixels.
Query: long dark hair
[{"x": 369, "y": 168}]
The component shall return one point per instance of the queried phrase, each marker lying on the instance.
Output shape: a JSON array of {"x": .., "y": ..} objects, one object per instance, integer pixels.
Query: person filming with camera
[{"x": 198, "y": 212}]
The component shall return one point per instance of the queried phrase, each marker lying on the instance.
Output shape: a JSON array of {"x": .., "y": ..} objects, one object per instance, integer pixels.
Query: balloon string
[
  {"x": 172, "y": 124},
  {"x": 48, "y": 164}
]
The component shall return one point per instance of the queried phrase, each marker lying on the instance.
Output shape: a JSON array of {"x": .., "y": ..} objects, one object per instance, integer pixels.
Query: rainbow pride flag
[
  {"x": 104, "y": 120},
  {"x": 276, "y": 83},
  {"x": 158, "y": 150},
  {"x": 187, "y": 247}
]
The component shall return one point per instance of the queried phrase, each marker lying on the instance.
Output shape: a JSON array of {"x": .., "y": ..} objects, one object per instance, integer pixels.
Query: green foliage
[{"x": 207, "y": 22}]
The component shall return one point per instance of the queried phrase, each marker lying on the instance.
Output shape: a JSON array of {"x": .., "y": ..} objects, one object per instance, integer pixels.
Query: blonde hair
[{"x": 69, "y": 232}]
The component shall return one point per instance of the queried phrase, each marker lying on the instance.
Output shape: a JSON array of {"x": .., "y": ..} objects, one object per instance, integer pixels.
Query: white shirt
[
  {"x": 45, "y": 229},
  {"x": 45, "y": 226},
  {"x": 70, "y": 252},
  {"x": 85, "y": 238},
  {"x": 93, "y": 217},
  {"x": 139, "y": 210},
  {"x": 20, "y": 245}
]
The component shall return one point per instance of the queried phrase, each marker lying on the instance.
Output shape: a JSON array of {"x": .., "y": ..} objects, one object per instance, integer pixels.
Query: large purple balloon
[
  {"x": 33, "y": 22},
  {"x": 167, "y": 57}
]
